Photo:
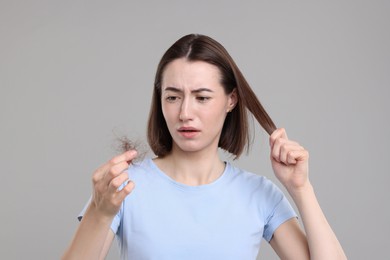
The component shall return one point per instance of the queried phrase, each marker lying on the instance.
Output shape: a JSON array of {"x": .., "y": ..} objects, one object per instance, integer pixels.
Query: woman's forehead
[{"x": 182, "y": 73}]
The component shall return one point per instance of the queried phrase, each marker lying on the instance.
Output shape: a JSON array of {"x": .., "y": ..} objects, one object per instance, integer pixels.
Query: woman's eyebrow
[
  {"x": 173, "y": 89},
  {"x": 201, "y": 90},
  {"x": 177, "y": 90}
]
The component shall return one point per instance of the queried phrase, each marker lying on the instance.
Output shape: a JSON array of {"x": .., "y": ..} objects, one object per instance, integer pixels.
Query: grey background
[{"x": 74, "y": 74}]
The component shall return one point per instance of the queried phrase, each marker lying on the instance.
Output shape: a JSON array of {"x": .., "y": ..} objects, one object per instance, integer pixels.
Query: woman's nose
[{"x": 185, "y": 110}]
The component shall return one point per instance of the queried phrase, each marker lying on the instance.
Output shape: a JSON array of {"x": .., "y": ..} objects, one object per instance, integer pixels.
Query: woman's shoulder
[
  {"x": 245, "y": 175},
  {"x": 252, "y": 181}
]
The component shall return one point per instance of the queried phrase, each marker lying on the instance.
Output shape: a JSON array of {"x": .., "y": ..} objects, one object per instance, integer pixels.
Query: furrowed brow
[
  {"x": 176, "y": 90},
  {"x": 201, "y": 90}
]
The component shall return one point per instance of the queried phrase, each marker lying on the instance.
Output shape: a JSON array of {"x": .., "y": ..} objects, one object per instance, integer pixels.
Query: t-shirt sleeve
[
  {"x": 280, "y": 212},
  {"x": 115, "y": 223}
]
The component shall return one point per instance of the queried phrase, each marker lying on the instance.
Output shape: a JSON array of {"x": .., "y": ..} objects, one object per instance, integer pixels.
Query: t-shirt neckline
[{"x": 183, "y": 186}]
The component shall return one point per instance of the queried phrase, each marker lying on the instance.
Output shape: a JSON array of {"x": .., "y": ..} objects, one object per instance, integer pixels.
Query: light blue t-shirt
[{"x": 226, "y": 219}]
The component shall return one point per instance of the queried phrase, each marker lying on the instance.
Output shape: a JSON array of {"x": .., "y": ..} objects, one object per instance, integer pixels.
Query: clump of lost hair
[{"x": 123, "y": 144}]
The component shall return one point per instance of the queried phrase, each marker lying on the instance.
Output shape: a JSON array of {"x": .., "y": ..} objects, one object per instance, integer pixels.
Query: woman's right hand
[
  {"x": 93, "y": 239},
  {"x": 107, "y": 198}
]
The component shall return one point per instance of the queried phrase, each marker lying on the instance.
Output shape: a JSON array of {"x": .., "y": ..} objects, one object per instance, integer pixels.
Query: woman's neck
[{"x": 192, "y": 169}]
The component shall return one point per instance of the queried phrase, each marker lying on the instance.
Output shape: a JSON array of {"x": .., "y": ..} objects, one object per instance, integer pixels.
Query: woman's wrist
[
  {"x": 96, "y": 215},
  {"x": 298, "y": 194}
]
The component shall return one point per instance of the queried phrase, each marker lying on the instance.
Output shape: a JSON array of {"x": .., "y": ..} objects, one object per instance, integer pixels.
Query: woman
[{"x": 188, "y": 203}]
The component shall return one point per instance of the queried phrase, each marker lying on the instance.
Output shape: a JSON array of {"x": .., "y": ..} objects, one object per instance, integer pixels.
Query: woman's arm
[
  {"x": 290, "y": 164},
  {"x": 93, "y": 237},
  {"x": 289, "y": 241}
]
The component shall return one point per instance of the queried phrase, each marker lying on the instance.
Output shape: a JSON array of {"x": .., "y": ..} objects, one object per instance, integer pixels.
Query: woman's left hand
[{"x": 290, "y": 161}]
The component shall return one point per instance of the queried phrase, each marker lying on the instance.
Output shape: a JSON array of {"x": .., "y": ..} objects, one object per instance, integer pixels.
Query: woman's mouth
[{"x": 188, "y": 132}]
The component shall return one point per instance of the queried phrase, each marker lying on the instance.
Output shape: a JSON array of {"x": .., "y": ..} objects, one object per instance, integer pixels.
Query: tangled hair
[
  {"x": 235, "y": 133},
  {"x": 122, "y": 143}
]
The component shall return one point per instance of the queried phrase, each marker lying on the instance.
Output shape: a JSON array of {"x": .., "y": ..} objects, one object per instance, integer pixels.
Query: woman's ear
[{"x": 233, "y": 99}]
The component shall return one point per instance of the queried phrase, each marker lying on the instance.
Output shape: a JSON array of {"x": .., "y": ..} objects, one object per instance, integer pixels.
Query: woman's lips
[{"x": 188, "y": 132}]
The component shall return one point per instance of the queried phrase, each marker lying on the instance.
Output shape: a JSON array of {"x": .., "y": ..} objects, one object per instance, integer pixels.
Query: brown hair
[{"x": 235, "y": 132}]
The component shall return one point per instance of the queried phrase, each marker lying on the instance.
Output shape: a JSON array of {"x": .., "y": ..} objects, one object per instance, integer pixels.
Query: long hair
[{"x": 235, "y": 133}]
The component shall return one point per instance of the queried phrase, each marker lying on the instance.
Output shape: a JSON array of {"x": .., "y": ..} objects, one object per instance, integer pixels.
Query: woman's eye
[
  {"x": 202, "y": 99},
  {"x": 171, "y": 98}
]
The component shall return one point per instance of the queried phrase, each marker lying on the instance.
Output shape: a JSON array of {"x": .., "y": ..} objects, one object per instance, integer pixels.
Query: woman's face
[{"x": 194, "y": 104}]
